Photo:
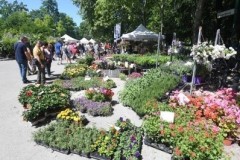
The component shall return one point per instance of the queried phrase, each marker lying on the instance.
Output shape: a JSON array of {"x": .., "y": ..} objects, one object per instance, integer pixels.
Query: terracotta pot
[{"x": 227, "y": 142}]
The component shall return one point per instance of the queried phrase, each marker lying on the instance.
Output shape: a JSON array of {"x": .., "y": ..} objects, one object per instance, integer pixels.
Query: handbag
[{"x": 34, "y": 61}]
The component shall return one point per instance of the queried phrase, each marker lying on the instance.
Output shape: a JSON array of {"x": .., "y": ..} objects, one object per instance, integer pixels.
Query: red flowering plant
[{"x": 99, "y": 95}]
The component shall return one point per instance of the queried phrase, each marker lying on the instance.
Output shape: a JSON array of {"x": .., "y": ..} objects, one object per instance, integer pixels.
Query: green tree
[{"x": 50, "y": 7}]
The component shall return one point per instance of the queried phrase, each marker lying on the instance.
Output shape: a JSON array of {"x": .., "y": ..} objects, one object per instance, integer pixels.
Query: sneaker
[{"x": 26, "y": 82}]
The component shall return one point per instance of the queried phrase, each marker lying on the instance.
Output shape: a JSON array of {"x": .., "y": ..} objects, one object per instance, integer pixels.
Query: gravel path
[{"x": 16, "y": 135}]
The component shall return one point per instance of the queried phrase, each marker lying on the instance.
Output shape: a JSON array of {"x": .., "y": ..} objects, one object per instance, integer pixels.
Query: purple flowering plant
[{"x": 93, "y": 108}]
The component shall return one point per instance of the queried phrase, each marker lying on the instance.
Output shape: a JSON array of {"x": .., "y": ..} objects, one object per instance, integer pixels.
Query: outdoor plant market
[{"x": 134, "y": 80}]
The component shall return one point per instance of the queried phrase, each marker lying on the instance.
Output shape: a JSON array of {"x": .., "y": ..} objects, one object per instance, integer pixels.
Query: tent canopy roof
[
  {"x": 84, "y": 41},
  {"x": 67, "y": 38},
  {"x": 140, "y": 34}
]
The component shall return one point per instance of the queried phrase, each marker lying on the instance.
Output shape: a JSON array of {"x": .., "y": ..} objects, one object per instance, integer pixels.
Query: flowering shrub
[
  {"x": 93, "y": 108},
  {"x": 201, "y": 53},
  {"x": 135, "y": 75},
  {"x": 220, "y": 107}
]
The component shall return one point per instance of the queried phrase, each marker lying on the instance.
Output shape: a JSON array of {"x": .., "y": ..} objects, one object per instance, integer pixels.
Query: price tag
[
  {"x": 167, "y": 116},
  {"x": 87, "y": 78},
  {"x": 106, "y": 78}
]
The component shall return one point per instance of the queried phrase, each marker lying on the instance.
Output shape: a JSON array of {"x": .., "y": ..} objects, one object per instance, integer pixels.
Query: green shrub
[{"x": 154, "y": 84}]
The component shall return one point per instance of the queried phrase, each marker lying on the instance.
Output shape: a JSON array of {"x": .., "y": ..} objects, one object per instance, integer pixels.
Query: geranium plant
[{"x": 42, "y": 99}]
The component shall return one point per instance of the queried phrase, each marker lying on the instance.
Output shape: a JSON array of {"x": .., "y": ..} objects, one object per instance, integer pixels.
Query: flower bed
[
  {"x": 41, "y": 100},
  {"x": 93, "y": 108},
  {"x": 99, "y": 94},
  {"x": 219, "y": 107},
  {"x": 73, "y": 70},
  {"x": 147, "y": 60},
  {"x": 79, "y": 83},
  {"x": 130, "y": 142},
  {"x": 186, "y": 137},
  {"x": 90, "y": 142},
  {"x": 153, "y": 85}
]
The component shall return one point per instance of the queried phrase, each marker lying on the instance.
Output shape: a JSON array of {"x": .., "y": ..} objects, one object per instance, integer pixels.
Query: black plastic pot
[
  {"x": 161, "y": 146},
  {"x": 97, "y": 156},
  {"x": 67, "y": 151}
]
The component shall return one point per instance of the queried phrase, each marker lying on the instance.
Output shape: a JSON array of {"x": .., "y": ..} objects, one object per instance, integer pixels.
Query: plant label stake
[{"x": 158, "y": 49}]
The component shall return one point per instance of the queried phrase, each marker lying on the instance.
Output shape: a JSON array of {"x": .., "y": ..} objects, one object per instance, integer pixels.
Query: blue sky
[{"x": 65, "y": 6}]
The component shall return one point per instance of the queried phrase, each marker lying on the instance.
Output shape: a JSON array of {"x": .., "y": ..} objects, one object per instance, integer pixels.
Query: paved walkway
[{"x": 16, "y": 135}]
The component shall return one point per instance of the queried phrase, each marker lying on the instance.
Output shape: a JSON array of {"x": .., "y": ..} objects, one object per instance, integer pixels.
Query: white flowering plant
[{"x": 205, "y": 52}]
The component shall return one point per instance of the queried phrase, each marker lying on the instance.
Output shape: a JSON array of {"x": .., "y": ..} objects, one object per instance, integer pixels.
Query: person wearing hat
[{"x": 39, "y": 56}]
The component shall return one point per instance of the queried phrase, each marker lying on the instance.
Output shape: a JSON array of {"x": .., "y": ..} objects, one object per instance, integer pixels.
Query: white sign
[
  {"x": 87, "y": 78},
  {"x": 167, "y": 116},
  {"x": 226, "y": 13},
  {"x": 106, "y": 78},
  {"x": 117, "y": 31}
]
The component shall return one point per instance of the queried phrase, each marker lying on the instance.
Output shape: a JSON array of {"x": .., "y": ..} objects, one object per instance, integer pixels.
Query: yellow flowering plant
[{"x": 72, "y": 116}]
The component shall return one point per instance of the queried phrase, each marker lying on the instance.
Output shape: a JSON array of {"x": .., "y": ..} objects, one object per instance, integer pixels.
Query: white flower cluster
[{"x": 205, "y": 52}]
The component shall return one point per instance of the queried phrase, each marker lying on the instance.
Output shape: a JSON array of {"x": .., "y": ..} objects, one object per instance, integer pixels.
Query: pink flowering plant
[
  {"x": 135, "y": 75},
  {"x": 220, "y": 107},
  {"x": 99, "y": 94}
]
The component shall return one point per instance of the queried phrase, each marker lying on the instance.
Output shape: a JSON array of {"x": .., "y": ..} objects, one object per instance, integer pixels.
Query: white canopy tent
[
  {"x": 84, "y": 41},
  {"x": 67, "y": 38},
  {"x": 140, "y": 34},
  {"x": 92, "y": 41}
]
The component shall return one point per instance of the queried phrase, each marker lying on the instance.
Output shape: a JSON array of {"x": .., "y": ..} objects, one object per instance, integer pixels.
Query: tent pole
[{"x": 195, "y": 63}]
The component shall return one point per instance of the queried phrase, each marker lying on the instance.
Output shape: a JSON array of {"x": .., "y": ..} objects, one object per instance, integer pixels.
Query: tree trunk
[{"x": 197, "y": 20}]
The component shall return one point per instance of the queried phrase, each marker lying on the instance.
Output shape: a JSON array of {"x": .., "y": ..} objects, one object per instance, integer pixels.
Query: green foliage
[
  {"x": 147, "y": 60},
  {"x": 64, "y": 135},
  {"x": 109, "y": 84},
  {"x": 122, "y": 76},
  {"x": 178, "y": 67},
  {"x": 41, "y": 99},
  {"x": 154, "y": 84},
  {"x": 37, "y": 24}
]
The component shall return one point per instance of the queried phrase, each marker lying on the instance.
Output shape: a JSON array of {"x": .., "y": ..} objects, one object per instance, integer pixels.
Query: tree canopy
[{"x": 182, "y": 17}]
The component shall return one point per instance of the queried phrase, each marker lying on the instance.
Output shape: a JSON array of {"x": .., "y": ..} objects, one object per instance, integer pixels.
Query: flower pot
[
  {"x": 227, "y": 142},
  {"x": 186, "y": 78},
  {"x": 198, "y": 80}
]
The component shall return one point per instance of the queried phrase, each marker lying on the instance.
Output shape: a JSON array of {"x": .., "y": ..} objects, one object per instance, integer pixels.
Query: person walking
[
  {"x": 39, "y": 56},
  {"x": 58, "y": 49},
  {"x": 48, "y": 57},
  {"x": 66, "y": 52},
  {"x": 22, "y": 56}
]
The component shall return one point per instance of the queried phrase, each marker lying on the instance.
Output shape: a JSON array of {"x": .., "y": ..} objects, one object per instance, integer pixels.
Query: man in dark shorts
[
  {"x": 22, "y": 56},
  {"x": 58, "y": 49}
]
